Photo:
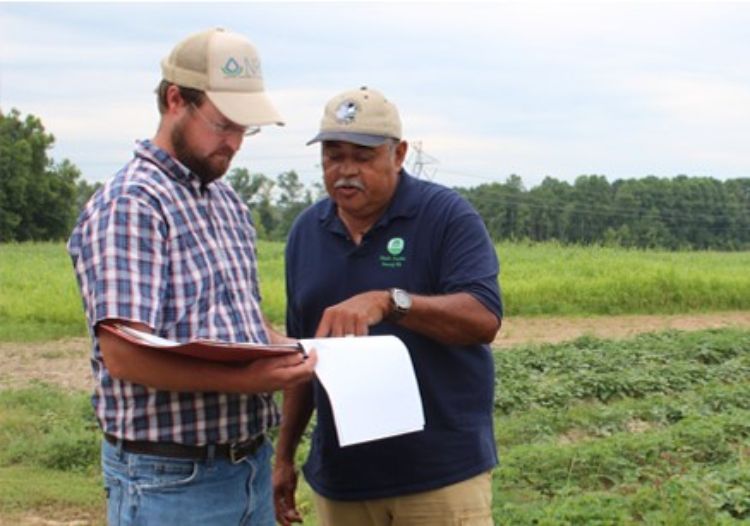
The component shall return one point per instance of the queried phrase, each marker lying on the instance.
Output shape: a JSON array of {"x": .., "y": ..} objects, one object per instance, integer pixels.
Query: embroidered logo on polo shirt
[
  {"x": 393, "y": 259},
  {"x": 395, "y": 246}
]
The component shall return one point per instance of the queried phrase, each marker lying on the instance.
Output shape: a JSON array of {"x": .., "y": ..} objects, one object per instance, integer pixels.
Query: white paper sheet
[
  {"x": 371, "y": 384},
  {"x": 147, "y": 337}
]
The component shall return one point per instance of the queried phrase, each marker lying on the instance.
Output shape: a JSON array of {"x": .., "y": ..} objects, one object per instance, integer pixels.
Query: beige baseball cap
[
  {"x": 226, "y": 66},
  {"x": 362, "y": 116}
]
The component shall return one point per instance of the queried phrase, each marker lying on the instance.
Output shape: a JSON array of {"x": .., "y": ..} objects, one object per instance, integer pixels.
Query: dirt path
[
  {"x": 557, "y": 329},
  {"x": 65, "y": 362}
]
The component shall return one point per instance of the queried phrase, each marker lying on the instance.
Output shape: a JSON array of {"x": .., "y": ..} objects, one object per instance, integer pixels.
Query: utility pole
[{"x": 420, "y": 161}]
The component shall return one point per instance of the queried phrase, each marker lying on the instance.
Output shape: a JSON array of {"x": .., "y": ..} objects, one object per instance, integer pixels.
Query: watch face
[{"x": 402, "y": 299}]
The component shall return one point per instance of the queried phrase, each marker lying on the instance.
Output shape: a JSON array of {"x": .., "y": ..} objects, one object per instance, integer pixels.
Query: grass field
[
  {"x": 39, "y": 299},
  {"x": 650, "y": 430},
  {"x": 552, "y": 279}
]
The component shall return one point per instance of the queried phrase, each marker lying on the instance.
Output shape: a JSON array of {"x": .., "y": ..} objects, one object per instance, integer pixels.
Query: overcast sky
[{"x": 621, "y": 89}]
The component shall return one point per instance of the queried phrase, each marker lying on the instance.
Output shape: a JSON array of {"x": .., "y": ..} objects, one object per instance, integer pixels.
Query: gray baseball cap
[{"x": 361, "y": 116}]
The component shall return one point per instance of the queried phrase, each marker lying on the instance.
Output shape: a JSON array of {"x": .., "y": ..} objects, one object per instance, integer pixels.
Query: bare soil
[
  {"x": 559, "y": 329},
  {"x": 65, "y": 362}
]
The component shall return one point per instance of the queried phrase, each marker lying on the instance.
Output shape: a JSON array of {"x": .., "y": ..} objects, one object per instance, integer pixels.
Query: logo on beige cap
[
  {"x": 232, "y": 68},
  {"x": 347, "y": 112}
]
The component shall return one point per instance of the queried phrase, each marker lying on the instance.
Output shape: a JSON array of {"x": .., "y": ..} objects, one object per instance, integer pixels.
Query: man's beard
[{"x": 207, "y": 168}]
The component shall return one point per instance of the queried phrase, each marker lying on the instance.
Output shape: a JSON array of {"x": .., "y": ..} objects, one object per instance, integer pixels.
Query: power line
[{"x": 421, "y": 161}]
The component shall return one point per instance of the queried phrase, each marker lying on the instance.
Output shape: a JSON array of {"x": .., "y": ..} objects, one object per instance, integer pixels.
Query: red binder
[{"x": 212, "y": 350}]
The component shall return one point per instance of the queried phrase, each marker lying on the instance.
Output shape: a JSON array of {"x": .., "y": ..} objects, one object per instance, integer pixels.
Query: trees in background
[
  {"x": 37, "y": 196},
  {"x": 274, "y": 204},
  {"x": 39, "y": 200},
  {"x": 678, "y": 213}
]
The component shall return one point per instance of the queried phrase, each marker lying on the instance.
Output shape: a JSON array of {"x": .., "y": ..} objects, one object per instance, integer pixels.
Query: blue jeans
[{"x": 145, "y": 490}]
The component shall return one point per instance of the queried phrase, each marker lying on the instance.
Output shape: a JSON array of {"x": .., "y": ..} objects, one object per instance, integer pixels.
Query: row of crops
[{"x": 652, "y": 430}]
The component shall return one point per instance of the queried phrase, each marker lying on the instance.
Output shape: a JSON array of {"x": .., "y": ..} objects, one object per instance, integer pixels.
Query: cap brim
[
  {"x": 246, "y": 109},
  {"x": 362, "y": 139}
]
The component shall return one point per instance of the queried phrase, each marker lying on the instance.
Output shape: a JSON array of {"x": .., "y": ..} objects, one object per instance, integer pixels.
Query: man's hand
[
  {"x": 284, "y": 487},
  {"x": 353, "y": 316},
  {"x": 273, "y": 374}
]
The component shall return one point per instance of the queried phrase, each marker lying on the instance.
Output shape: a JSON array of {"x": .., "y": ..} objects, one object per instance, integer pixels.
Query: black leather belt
[{"x": 234, "y": 452}]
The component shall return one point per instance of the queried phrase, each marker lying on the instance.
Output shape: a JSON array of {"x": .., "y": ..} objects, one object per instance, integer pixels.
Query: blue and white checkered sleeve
[{"x": 129, "y": 263}]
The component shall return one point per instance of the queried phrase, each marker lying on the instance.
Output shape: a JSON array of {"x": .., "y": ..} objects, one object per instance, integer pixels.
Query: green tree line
[
  {"x": 673, "y": 213},
  {"x": 274, "y": 203},
  {"x": 40, "y": 199}
]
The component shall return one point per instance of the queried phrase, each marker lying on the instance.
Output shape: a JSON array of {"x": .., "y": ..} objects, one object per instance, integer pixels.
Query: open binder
[{"x": 217, "y": 351}]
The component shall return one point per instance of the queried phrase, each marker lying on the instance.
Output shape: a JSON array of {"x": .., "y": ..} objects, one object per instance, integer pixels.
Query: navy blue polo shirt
[{"x": 429, "y": 241}]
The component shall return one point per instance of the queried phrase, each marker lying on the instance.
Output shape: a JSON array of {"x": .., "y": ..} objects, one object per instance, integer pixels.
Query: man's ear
[
  {"x": 173, "y": 99},
  {"x": 400, "y": 153}
]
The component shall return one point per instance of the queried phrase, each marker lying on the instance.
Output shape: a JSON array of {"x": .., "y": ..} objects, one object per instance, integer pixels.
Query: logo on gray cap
[{"x": 347, "y": 112}]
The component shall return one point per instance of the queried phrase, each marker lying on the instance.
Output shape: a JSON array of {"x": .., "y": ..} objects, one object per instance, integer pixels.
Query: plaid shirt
[{"x": 156, "y": 246}]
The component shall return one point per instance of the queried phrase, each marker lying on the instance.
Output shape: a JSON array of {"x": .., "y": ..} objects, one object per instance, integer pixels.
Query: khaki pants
[{"x": 467, "y": 503}]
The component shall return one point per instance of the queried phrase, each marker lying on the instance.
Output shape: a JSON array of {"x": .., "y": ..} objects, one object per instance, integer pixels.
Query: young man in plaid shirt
[{"x": 167, "y": 247}]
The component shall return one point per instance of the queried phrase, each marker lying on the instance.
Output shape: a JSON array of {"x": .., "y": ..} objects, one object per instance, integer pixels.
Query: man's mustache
[
  {"x": 351, "y": 182},
  {"x": 226, "y": 152}
]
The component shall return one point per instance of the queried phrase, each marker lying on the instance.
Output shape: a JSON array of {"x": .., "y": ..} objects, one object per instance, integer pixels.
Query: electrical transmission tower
[{"x": 421, "y": 163}]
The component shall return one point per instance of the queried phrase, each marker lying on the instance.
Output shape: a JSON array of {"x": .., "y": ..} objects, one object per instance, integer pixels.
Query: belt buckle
[
  {"x": 240, "y": 451},
  {"x": 236, "y": 454}
]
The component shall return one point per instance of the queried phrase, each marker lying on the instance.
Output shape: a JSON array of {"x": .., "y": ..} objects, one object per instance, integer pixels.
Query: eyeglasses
[{"x": 225, "y": 128}]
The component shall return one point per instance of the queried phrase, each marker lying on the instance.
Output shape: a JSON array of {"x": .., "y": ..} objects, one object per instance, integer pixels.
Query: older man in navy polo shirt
[{"x": 390, "y": 254}]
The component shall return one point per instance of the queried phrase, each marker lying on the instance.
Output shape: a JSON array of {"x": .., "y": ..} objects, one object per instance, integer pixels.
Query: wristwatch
[{"x": 400, "y": 304}]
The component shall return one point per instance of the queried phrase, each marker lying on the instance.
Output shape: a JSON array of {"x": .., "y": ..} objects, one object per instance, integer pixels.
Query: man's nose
[
  {"x": 234, "y": 141},
  {"x": 349, "y": 168}
]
